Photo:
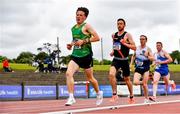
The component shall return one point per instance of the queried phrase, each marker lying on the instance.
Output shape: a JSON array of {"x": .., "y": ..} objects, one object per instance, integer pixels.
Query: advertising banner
[
  {"x": 107, "y": 91},
  {"x": 161, "y": 90},
  {"x": 10, "y": 91},
  {"x": 123, "y": 90},
  {"x": 79, "y": 91},
  {"x": 39, "y": 91},
  {"x": 173, "y": 92}
]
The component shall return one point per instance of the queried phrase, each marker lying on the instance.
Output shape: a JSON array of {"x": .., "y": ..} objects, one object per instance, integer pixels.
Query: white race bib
[
  {"x": 138, "y": 62},
  {"x": 116, "y": 45}
]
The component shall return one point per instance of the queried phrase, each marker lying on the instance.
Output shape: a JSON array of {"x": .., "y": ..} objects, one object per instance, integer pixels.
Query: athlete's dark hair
[
  {"x": 121, "y": 19},
  {"x": 159, "y": 43},
  {"x": 144, "y": 36},
  {"x": 85, "y": 10}
]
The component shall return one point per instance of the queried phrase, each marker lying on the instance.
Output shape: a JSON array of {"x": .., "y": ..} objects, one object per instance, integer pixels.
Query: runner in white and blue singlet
[{"x": 142, "y": 57}]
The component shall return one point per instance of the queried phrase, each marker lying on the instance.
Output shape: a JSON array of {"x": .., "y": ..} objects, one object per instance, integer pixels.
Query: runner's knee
[
  {"x": 92, "y": 80},
  {"x": 136, "y": 83},
  {"x": 127, "y": 79},
  {"x": 111, "y": 75},
  {"x": 68, "y": 74},
  {"x": 144, "y": 85},
  {"x": 155, "y": 82}
]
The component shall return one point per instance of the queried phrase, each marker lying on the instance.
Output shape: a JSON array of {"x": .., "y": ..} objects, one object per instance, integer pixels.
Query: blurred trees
[
  {"x": 2, "y": 58},
  {"x": 25, "y": 57},
  {"x": 175, "y": 56},
  {"x": 28, "y": 58},
  {"x": 41, "y": 56}
]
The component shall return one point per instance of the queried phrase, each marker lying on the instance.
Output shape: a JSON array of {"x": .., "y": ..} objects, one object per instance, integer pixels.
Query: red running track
[{"x": 57, "y": 106}]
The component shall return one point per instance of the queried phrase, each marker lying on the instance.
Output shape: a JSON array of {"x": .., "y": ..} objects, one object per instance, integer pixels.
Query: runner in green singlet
[{"x": 83, "y": 34}]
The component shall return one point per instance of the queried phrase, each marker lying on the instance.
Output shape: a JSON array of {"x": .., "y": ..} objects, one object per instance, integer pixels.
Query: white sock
[
  {"x": 71, "y": 95},
  {"x": 98, "y": 93},
  {"x": 155, "y": 90}
]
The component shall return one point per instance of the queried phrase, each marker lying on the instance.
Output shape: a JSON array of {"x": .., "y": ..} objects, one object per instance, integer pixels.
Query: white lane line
[{"x": 108, "y": 107}]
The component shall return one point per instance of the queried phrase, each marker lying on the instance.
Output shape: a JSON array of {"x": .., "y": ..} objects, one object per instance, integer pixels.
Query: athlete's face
[
  {"x": 143, "y": 40},
  {"x": 158, "y": 47},
  {"x": 80, "y": 17},
  {"x": 120, "y": 25}
]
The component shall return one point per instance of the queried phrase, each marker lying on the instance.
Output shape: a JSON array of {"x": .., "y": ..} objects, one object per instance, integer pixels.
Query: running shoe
[
  {"x": 70, "y": 101},
  {"x": 131, "y": 100},
  {"x": 173, "y": 86},
  {"x": 99, "y": 98},
  {"x": 146, "y": 101},
  {"x": 114, "y": 98},
  {"x": 153, "y": 98}
]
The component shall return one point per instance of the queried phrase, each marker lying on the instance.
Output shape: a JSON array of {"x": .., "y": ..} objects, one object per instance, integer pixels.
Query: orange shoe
[
  {"x": 114, "y": 98},
  {"x": 173, "y": 86},
  {"x": 131, "y": 101}
]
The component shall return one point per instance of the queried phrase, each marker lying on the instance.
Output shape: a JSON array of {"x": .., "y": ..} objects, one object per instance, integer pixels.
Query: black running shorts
[
  {"x": 123, "y": 64},
  {"x": 83, "y": 62}
]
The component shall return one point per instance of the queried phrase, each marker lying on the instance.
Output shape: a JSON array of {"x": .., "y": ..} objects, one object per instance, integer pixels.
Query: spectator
[
  {"x": 50, "y": 66},
  {"x": 40, "y": 67},
  {"x": 6, "y": 66}
]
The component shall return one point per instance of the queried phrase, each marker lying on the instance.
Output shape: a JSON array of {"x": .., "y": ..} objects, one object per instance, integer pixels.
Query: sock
[
  {"x": 154, "y": 90},
  {"x": 98, "y": 93},
  {"x": 114, "y": 93},
  {"x": 131, "y": 97},
  {"x": 71, "y": 95}
]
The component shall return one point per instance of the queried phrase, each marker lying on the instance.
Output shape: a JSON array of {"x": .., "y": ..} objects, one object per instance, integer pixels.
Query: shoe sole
[
  {"x": 100, "y": 102},
  {"x": 152, "y": 100},
  {"x": 67, "y": 104}
]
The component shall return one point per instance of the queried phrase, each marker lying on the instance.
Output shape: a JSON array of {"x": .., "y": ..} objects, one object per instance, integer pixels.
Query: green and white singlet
[{"x": 77, "y": 34}]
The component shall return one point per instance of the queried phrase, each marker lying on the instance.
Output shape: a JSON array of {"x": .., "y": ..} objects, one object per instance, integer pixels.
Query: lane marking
[{"x": 108, "y": 107}]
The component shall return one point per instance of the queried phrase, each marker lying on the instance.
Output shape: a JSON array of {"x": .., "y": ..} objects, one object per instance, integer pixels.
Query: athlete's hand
[
  {"x": 123, "y": 41},
  {"x": 112, "y": 53},
  {"x": 69, "y": 46},
  {"x": 146, "y": 54},
  {"x": 158, "y": 62},
  {"x": 78, "y": 42},
  {"x": 153, "y": 65}
]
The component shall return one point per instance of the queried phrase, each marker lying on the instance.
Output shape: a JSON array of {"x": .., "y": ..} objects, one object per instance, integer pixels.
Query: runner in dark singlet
[{"x": 122, "y": 43}]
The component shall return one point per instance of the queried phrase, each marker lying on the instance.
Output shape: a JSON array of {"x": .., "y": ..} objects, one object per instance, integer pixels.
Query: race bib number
[
  {"x": 116, "y": 46},
  {"x": 76, "y": 47},
  {"x": 139, "y": 63},
  {"x": 158, "y": 65}
]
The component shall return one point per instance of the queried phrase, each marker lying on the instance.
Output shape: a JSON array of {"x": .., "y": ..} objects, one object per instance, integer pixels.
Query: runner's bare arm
[
  {"x": 150, "y": 55},
  {"x": 169, "y": 60},
  {"x": 132, "y": 59},
  {"x": 88, "y": 30},
  {"x": 131, "y": 44},
  {"x": 112, "y": 52},
  {"x": 154, "y": 61},
  {"x": 94, "y": 35}
]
